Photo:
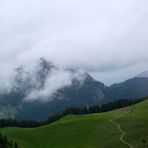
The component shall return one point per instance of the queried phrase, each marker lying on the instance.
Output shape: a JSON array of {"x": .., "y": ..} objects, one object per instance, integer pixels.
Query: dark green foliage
[
  {"x": 144, "y": 143},
  {"x": 15, "y": 123},
  {"x": 16, "y": 145},
  {"x": 5, "y": 143}
]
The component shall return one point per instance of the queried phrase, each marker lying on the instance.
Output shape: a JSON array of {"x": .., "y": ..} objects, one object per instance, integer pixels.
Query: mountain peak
[{"x": 44, "y": 65}]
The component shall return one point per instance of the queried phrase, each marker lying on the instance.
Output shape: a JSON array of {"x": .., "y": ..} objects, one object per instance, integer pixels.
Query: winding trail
[{"x": 122, "y": 135}]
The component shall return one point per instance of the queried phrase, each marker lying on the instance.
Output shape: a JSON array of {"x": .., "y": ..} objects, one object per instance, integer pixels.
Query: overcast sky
[{"x": 108, "y": 38}]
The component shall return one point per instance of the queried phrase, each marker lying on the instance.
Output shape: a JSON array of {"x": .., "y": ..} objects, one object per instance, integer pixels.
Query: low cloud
[
  {"x": 56, "y": 80},
  {"x": 40, "y": 80}
]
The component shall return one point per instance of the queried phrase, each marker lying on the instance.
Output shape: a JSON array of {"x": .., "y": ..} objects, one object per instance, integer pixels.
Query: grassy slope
[{"x": 87, "y": 131}]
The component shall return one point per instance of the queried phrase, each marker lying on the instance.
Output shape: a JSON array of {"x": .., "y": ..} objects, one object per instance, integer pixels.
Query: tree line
[
  {"x": 72, "y": 110},
  {"x": 5, "y": 143}
]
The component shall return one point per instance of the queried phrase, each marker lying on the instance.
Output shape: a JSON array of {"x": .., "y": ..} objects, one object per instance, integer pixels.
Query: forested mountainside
[{"x": 31, "y": 97}]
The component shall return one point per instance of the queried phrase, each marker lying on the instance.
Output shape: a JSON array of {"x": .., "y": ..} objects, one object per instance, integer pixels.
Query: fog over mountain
[
  {"x": 106, "y": 38},
  {"x": 42, "y": 89},
  {"x": 143, "y": 74},
  {"x": 41, "y": 80}
]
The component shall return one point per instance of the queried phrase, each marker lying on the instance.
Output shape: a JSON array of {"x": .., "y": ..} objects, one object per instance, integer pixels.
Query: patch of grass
[{"x": 87, "y": 131}]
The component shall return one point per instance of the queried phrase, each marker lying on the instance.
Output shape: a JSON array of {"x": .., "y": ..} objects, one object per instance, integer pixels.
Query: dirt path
[{"x": 122, "y": 135}]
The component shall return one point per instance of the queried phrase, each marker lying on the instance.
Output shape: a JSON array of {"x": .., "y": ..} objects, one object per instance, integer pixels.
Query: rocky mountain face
[
  {"x": 31, "y": 91},
  {"x": 47, "y": 89}
]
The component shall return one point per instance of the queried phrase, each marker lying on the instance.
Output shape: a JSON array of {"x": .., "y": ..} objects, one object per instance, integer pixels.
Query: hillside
[
  {"x": 88, "y": 131},
  {"x": 34, "y": 95},
  {"x": 131, "y": 88}
]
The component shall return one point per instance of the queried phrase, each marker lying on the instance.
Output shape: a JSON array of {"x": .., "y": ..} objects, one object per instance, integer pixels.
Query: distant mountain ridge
[
  {"x": 131, "y": 88},
  {"x": 80, "y": 90},
  {"x": 143, "y": 74}
]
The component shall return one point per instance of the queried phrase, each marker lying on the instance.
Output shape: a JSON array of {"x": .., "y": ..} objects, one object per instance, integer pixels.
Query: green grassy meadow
[{"x": 87, "y": 131}]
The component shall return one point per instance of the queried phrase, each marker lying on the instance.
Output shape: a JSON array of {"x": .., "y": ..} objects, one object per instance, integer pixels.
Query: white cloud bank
[
  {"x": 56, "y": 80},
  {"x": 100, "y": 36}
]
